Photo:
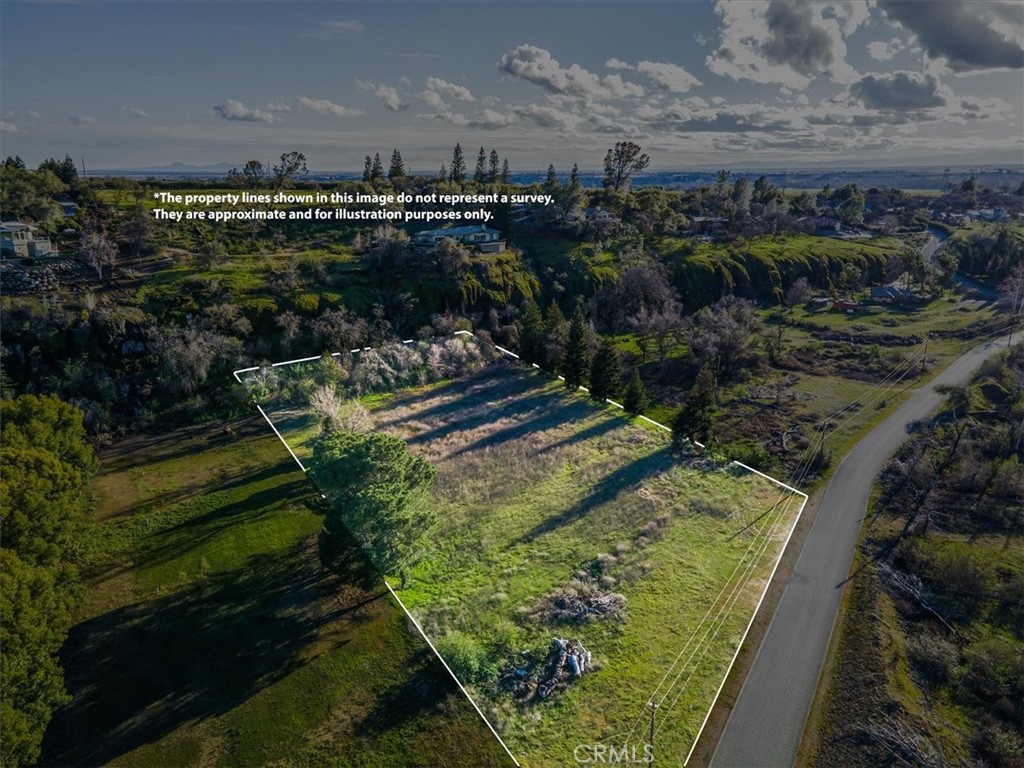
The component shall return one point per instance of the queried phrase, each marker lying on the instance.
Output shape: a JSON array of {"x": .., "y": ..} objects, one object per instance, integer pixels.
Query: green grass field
[
  {"x": 210, "y": 634},
  {"x": 538, "y": 489}
]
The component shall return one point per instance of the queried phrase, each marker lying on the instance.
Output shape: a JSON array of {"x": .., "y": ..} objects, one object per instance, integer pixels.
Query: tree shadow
[
  {"x": 622, "y": 480},
  {"x": 138, "y": 672}
]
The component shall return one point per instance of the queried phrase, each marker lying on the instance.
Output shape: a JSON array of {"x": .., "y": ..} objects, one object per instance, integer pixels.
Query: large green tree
[
  {"x": 46, "y": 467},
  {"x": 577, "y": 351},
  {"x": 377, "y": 492},
  {"x": 605, "y": 370},
  {"x": 621, "y": 163},
  {"x": 694, "y": 420},
  {"x": 635, "y": 400}
]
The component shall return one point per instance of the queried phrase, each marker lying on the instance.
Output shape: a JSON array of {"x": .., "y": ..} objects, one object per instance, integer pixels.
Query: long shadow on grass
[
  {"x": 139, "y": 672},
  {"x": 175, "y": 541},
  {"x": 622, "y": 480}
]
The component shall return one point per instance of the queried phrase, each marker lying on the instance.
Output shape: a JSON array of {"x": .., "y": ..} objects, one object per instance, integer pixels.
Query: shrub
[
  {"x": 464, "y": 655},
  {"x": 933, "y": 656}
]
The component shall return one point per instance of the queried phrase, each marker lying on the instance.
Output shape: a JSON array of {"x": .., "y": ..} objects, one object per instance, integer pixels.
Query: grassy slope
[
  {"x": 562, "y": 481},
  {"x": 210, "y": 635}
]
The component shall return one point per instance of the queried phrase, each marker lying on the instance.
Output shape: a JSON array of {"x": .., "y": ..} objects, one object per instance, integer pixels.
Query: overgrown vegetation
[{"x": 931, "y": 666}]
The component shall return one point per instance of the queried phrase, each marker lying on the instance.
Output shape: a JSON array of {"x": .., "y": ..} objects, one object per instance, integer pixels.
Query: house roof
[
  {"x": 14, "y": 226},
  {"x": 457, "y": 231}
]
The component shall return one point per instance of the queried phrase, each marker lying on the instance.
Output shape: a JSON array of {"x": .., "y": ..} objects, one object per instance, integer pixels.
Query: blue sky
[{"x": 748, "y": 83}]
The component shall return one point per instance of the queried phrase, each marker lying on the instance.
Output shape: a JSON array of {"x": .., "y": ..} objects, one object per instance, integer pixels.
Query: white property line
[
  {"x": 445, "y": 663},
  {"x": 654, "y": 423}
]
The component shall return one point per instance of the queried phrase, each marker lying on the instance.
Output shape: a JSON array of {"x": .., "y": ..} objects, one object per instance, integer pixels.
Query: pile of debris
[
  {"x": 531, "y": 678},
  {"x": 578, "y": 602}
]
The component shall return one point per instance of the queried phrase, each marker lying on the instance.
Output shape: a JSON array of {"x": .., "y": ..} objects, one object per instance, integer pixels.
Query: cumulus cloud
[
  {"x": 326, "y": 107},
  {"x": 451, "y": 90},
  {"x": 134, "y": 111},
  {"x": 547, "y": 117},
  {"x": 236, "y": 110},
  {"x": 386, "y": 94},
  {"x": 537, "y": 66},
  {"x": 277, "y": 106},
  {"x": 80, "y": 120},
  {"x": 901, "y": 91},
  {"x": 668, "y": 77},
  {"x": 883, "y": 51},
  {"x": 9, "y": 126},
  {"x": 969, "y": 36},
  {"x": 784, "y": 42},
  {"x": 614, "y": 63}
]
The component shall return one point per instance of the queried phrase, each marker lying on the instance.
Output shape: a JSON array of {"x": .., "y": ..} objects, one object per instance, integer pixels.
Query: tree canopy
[{"x": 376, "y": 491}]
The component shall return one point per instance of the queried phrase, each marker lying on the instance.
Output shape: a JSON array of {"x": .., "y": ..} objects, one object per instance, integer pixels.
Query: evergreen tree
[
  {"x": 480, "y": 172},
  {"x": 574, "y": 176},
  {"x": 695, "y": 418},
  {"x": 443, "y": 175},
  {"x": 577, "y": 355},
  {"x": 368, "y": 169},
  {"x": 635, "y": 401},
  {"x": 605, "y": 370},
  {"x": 554, "y": 338},
  {"x": 531, "y": 333},
  {"x": 457, "y": 173},
  {"x": 494, "y": 167},
  {"x": 551, "y": 183},
  {"x": 505, "y": 173},
  {"x": 377, "y": 169},
  {"x": 397, "y": 168}
]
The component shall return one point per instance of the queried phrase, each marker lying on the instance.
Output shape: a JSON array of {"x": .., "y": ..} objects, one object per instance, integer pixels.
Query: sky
[{"x": 732, "y": 83}]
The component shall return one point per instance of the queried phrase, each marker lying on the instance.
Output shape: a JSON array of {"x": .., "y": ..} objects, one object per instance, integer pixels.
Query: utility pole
[{"x": 654, "y": 710}]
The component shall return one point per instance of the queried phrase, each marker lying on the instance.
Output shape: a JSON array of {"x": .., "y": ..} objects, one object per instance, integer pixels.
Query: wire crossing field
[{"x": 540, "y": 494}]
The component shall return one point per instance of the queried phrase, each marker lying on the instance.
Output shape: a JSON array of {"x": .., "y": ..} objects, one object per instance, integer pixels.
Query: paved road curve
[{"x": 767, "y": 723}]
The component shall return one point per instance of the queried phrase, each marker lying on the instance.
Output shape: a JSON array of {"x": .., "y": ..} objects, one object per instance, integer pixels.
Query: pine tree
[
  {"x": 551, "y": 184},
  {"x": 397, "y": 168},
  {"x": 494, "y": 167},
  {"x": 554, "y": 338},
  {"x": 443, "y": 175},
  {"x": 635, "y": 401},
  {"x": 377, "y": 168},
  {"x": 367, "y": 168},
  {"x": 577, "y": 356},
  {"x": 457, "y": 173},
  {"x": 505, "y": 173},
  {"x": 695, "y": 418},
  {"x": 531, "y": 333},
  {"x": 605, "y": 370},
  {"x": 574, "y": 176},
  {"x": 480, "y": 172}
]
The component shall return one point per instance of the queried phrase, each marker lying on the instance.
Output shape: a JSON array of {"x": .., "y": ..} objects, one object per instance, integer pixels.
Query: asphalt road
[{"x": 767, "y": 723}]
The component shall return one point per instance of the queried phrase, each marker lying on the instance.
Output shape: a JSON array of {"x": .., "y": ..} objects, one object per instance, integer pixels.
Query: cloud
[
  {"x": 547, "y": 117},
  {"x": 414, "y": 55},
  {"x": 900, "y": 91},
  {"x": 34, "y": 115},
  {"x": 277, "y": 106},
  {"x": 386, "y": 94},
  {"x": 614, "y": 63},
  {"x": 338, "y": 27},
  {"x": 325, "y": 107},
  {"x": 784, "y": 42},
  {"x": 882, "y": 51},
  {"x": 444, "y": 88},
  {"x": 80, "y": 120},
  {"x": 236, "y": 110},
  {"x": 536, "y": 65},
  {"x": 969, "y": 36},
  {"x": 9, "y": 126},
  {"x": 135, "y": 111},
  {"x": 668, "y": 77}
]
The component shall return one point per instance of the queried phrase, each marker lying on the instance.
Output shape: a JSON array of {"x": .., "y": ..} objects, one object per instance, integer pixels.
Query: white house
[
  {"x": 485, "y": 239},
  {"x": 20, "y": 241}
]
